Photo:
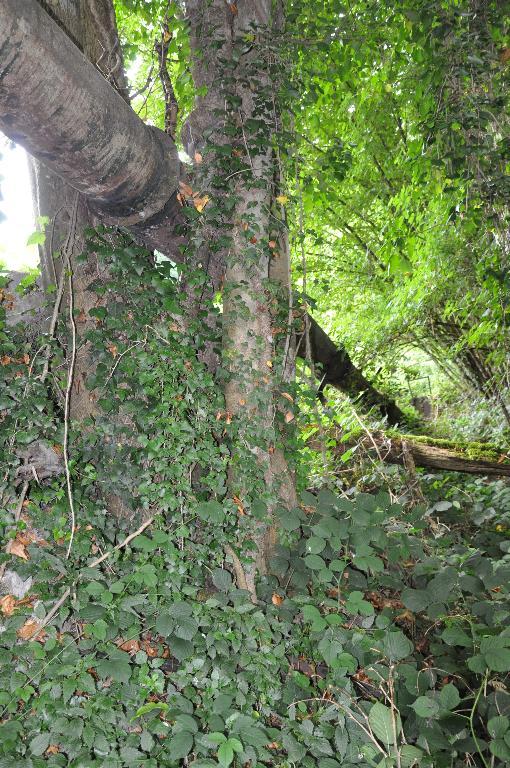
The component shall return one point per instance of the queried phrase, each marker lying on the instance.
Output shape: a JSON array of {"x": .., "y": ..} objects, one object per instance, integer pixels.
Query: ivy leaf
[
  {"x": 311, "y": 613},
  {"x": 211, "y": 512},
  {"x": 36, "y": 238}
]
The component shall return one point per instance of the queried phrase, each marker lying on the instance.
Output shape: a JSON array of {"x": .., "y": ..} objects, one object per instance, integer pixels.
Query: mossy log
[{"x": 474, "y": 458}]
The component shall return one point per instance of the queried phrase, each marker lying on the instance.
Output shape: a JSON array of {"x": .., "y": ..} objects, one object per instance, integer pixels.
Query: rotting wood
[{"x": 433, "y": 455}]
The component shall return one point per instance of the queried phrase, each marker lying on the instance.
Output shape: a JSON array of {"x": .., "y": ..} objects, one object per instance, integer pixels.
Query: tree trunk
[
  {"x": 234, "y": 120},
  {"x": 91, "y": 25}
]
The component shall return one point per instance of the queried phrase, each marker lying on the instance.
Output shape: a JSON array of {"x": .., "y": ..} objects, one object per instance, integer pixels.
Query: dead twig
[{"x": 60, "y": 602}]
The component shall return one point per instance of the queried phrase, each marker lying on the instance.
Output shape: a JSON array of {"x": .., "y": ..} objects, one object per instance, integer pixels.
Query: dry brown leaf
[
  {"x": 289, "y": 416},
  {"x": 7, "y": 605},
  {"x": 31, "y": 629},
  {"x": 276, "y": 599},
  {"x": 504, "y": 56},
  {"x": 53, "y": 749},
  {"x": 288, "y": 397},
  {"x": 198, "y": 158},
  {"x": 200, "y": 202},
  {"x": 272, "y": 244},
  {"x": 15, "y": 547},
  {"x": 185, "y": 189},
  {"x": 130, "y": 646}
]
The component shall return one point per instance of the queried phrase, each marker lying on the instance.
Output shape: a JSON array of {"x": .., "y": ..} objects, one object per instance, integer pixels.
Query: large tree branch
[
  {"x": 56, "y": 104},
  {"x": 339, "y": 371}
]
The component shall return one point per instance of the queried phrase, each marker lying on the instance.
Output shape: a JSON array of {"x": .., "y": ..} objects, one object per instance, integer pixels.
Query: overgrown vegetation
[{"x": 379, "y": 632}]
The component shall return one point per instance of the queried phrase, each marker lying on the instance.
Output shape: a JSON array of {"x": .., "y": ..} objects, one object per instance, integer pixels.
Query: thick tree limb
[
  {"x": 57, "y": 105},
  {"x": 339, "y": 371}
]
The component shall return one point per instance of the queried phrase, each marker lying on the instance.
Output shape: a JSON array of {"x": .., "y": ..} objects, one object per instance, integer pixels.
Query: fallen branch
[{"x": 472, "y": 458}]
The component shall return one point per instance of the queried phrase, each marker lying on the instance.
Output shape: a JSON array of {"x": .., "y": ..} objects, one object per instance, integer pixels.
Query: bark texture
[{"x": 57, "y": 105}]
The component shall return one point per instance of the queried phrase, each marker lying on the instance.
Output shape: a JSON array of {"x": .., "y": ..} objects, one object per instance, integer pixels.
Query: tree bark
[{"x": 57, "y": 105}]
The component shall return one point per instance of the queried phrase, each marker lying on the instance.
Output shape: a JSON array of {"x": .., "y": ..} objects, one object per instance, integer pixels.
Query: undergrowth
[{"x": 381, "y": 636}]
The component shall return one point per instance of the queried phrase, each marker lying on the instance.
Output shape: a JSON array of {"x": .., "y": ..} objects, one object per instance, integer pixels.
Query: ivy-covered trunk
[
  {"x": 91, "y": 25},
  {"x": 235, "y": 120}
]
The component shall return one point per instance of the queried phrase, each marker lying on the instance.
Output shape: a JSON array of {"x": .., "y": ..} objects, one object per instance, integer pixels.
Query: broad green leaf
[
  {"x": 180, "y": 745},
  {"x": 314, "y": 562},
  {"x": 410, "y": 756},
  {"x": 498, "y": 726},
  {"x": 39, "y": 744},
  {"x": 315, "y": 545},
  {"x": 396, "y": 646},
  {"x": 425, "y": 707},
  {"x": 498, "y": 659},
  {"x": 384, "y": 724},
  {"x": 225, "y": 754},
  {"x": 222, "y": 579},
  {"x": 449, "y": 697},
  {"x": 164, "y": 625}
]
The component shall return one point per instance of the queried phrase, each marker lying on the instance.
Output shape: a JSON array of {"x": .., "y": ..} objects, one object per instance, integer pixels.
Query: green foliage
[
  {"x": 399, "y": 165},
  {"x": 378, "y": 639},
  {"x": 371, "y": 638}
]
